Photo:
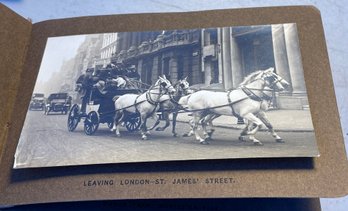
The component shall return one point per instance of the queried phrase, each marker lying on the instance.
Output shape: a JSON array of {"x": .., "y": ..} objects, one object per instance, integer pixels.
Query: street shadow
[
  {"x": 262, "y": 164},
  {"x": 260, "y": 204}
]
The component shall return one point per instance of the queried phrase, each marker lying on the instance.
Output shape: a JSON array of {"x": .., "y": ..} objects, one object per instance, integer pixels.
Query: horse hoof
[
  {"x": 185, "y": 135},
  {"x": 175, "y": 135},
  {"x": 144, "y": 138},
  {"x": 205, "y": 142},
  {"x": 242, "y": 138},
  {"x": 280, "y": 140},
  {"x": 211, "y": 133},
  {"x": 159, "y": 129},
  {"x": 257, "y": 143},
  {"x": 208, "y": 138}
]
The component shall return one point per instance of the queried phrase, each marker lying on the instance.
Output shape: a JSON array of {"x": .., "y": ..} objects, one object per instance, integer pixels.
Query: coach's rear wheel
[
  {"x": 73, "y": 118},
  {"x": 133, "y": 123},
  {"x": 91, "y": 123}
]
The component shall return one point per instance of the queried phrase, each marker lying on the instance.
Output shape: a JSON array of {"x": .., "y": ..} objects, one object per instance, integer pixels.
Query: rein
[
  {"x": 172, "y": 96},
  {"x": 148, "y": 99},
  {"x": 253, "y": 96},
  {"x": 148, "y": 95}
]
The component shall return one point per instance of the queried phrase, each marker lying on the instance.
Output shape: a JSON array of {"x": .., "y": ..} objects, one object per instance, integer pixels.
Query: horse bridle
[
  {"x": 250, "y": 93},
  {"x": 148, "y": 93},
  {"x": 184, "y": 89}
]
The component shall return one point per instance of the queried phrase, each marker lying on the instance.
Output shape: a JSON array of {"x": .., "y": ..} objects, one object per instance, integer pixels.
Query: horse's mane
[{"x": 250, "y": 77}]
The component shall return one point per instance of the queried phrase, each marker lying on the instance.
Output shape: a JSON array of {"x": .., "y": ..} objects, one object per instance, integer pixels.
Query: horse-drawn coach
[
  {"x": 99, "y": 88},
  {"x": 118, "y": 97},
  {"x": 118, "y": 100}
]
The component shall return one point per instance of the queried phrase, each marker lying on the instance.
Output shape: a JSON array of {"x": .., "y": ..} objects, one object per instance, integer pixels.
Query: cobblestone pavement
[{"x": 45, "y": 141}]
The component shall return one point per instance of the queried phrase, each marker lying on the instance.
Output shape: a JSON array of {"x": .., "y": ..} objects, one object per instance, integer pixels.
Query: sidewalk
[{"x": 282, "y": 120}]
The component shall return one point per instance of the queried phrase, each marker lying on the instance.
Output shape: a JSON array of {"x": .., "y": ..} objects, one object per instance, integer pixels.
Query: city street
[{"x": 46, "y": 141}]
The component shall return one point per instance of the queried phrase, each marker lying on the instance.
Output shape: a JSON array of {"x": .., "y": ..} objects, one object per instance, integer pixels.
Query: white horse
[
  {"x": 170, "y": 104},
  {"x": 266, "y": 102},
  {"x": 248, "y": 101},
  {"x": 146, "y": 104}
]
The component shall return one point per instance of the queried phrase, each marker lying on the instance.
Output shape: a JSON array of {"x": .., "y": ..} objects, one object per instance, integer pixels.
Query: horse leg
[
  {"x": 248, "y": 127},
  {"x": 157, "y": 121},
  {"x": 118, "y": 118},
  {"x": 244, "y": 133},
  {"x": 175, "y": 115},
  {"x": 197, "y": 117},
  {"x": 262, "y": 116},
  {"x": 143, "y": 128},
  {"x": 192, "y": 123},
  {"x": 166, "y": 117},
  {"x": 210, "y": 123},
  {"x": 205, "y": 122},
  {"x": 204, "y": 128},
  {"x": 190, "y": 133},
  {"x": 253, "y": 119}
]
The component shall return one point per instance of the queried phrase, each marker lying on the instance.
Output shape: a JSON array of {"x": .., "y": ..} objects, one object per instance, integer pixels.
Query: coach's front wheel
[
  {"x": 91, "y": 123},
  {"x": 73, "y": 118}
]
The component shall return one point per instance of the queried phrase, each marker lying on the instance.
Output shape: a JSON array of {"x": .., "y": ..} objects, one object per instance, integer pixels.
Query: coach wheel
[
  {"x": 133, "y": 124},
  {"x": 91, "y": 123},
  {"x": 73, "y": 118}
]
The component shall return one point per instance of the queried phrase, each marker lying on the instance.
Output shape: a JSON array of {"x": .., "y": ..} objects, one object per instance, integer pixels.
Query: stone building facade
[
  {"x": 243, "y": 50},
  {"x": 107, "y": 50},
  {"x": 175, "y": 54},
  {"x": 218, "y": 58}
]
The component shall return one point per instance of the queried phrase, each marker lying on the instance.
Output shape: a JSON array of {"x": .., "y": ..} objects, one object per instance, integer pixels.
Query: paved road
[{"x": 45, "y": 141}]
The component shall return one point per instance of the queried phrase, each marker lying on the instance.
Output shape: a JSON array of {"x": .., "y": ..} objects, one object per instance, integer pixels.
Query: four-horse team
[{"x": 124, "y": 102}]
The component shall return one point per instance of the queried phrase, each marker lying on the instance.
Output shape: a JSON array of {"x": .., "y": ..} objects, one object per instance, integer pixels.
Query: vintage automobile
[
  {"x": 37, "y": 102},
  {"x": 58, "y": 102}
]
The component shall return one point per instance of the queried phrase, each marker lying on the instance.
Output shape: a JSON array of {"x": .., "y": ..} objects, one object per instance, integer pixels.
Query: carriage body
[{"x": 100, "y": 108}]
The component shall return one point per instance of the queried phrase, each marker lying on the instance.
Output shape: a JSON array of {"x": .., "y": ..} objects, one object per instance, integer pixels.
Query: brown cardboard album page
[{"x": 213, "y": 51}]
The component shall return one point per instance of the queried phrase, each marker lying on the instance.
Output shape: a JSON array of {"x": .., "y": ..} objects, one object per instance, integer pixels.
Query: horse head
[
  {"x": 165, "y": 85},
  {"x": 274, "y": 81},
  {"x": 183, "y": 86}
]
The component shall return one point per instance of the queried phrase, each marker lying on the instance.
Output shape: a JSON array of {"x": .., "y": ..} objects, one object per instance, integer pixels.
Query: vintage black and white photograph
[{"x": 167, "y": 95}]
